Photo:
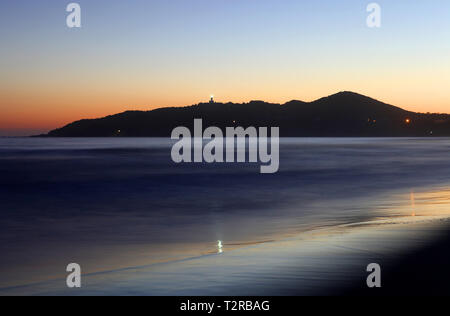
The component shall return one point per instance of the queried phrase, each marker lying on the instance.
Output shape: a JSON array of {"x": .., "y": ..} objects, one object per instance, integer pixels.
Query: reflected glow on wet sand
[{"x": 320, "y": 261}]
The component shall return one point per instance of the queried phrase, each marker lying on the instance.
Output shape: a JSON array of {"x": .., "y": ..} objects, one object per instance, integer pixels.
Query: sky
[{"x": 145, "y": 54}]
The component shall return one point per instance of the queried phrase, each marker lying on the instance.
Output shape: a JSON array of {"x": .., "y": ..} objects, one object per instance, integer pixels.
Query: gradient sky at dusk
[{"x": 143, "y": 54}]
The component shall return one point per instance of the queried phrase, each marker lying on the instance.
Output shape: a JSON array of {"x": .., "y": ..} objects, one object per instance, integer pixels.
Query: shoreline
[
  {"x": 336, "y": 265},
  {"x": 127, "y": 207},
  {"x": 420, "y": 272}
]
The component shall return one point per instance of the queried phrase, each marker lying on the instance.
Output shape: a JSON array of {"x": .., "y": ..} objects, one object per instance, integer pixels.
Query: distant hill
[{"x": 339, "y": 115}]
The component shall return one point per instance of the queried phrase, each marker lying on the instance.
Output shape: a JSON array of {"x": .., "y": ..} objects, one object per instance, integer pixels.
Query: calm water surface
[{"x": 115, "y": 204}]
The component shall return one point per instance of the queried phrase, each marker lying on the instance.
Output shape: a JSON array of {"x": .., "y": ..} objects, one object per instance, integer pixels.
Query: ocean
[{"x": 138, "y": 223}]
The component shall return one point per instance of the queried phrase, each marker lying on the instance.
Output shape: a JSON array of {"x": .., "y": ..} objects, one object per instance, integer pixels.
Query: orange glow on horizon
[{"x": 48, "y": 109}]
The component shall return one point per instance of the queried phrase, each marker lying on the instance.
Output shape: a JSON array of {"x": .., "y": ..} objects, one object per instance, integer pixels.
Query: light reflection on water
[
  {"x": 219, "y": 247},
  {"x": 433, "y": 203},
  {"x": 413, "y": 204}
]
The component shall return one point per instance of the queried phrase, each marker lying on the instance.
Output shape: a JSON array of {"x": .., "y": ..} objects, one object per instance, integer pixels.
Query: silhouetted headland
[{"x": 345, "y": 114}]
